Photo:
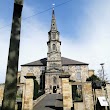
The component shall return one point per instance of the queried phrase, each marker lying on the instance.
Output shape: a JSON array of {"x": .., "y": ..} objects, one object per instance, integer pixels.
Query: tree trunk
[{"x": 10, "y": 89}]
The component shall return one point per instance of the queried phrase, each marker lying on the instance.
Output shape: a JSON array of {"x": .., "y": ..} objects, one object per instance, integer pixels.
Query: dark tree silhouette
[
  {"x": 9, "y": 97},
  {"x": 93, "y": 78}
]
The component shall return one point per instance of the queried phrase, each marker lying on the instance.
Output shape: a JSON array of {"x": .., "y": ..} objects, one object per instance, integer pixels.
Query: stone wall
[
  {"x": 36, "y": 70},
  {"x": 1, "y": 93},
  {"x": 98, "y": 93},
  {"x": 103, "y": 92},
  {"x": 108, "y": 92},
  {"x": 73, "y": 70},
  {"x": 79, "y": 106},
  {"x": 22, "y": 86},
  {"x": 49, "y": 82},
  {"x": 87, "y": 103}
]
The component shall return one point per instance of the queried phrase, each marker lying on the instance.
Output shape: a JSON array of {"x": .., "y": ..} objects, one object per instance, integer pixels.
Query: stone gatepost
[
  {"x": 67, "y": 92},
  {"x": 29, "y": 87},
  {"x": 88, "y": 96}
]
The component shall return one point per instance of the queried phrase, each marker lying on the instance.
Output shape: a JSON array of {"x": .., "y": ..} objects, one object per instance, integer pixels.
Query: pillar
[
  {"x": 67, "y": 92},
  {"x": 29, "y": 88},
  {"x": 88, "y": 96}
]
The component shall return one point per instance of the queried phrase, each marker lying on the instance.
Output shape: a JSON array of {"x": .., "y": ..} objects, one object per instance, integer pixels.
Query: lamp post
[
  {"x": 104, "y": 85},
  {"x": 102, "y": 65}
]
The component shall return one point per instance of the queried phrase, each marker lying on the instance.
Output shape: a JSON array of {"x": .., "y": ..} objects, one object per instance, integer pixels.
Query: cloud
[
  {"x": 32, "y": 42},
  {"x": 92, "y": 45}
]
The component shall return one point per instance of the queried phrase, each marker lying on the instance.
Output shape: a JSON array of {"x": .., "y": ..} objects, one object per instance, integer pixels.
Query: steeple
[
  {"x": 54, "y": 65},
  {"x": 53, "y": 22},
  {"x": 54, "y": 54}
]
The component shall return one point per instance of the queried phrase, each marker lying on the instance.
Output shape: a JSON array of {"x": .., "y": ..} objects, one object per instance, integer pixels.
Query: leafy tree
[
  {"x": 36, "y": 88},
  {"x": 93, "y": 78}
]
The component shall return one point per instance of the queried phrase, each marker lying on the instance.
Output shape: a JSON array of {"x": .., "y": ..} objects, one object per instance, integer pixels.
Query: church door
[{"x": 54, "y": 89}]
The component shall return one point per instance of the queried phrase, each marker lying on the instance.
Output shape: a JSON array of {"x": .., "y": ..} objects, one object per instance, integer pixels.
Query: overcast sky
[{"x": 84, "y": 27}]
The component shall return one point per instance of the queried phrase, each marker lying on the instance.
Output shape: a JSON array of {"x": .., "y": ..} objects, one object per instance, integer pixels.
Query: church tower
[
  {"x": 54, "y": 54},
  {"x": 54, "y": 66}
]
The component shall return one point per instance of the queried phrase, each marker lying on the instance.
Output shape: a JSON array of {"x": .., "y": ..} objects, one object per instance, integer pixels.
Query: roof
[{"x": 65, "y": 62}]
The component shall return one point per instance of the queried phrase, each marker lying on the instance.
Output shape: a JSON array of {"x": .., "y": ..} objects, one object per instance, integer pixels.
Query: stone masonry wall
[
  {"x": 73, "y": 70},
  {"x": 36, "y": 70},
  {"x": 79, "y": 106},
  {"x": 108, "y": 92},
  {"x": 50, "y": 83}
]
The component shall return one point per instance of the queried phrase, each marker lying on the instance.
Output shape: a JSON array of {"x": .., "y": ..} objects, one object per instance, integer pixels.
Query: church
[
  {"x": 59, "y": 75},
  {"x": 47, "y": 70}
]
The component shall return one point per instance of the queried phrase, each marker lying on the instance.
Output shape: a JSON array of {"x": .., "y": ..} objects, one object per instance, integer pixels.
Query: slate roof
[{"x": 65, "y": 62}]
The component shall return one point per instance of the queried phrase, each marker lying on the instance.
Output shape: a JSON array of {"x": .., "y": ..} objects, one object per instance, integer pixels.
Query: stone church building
[
  {"x": 47, "y": 70},
  {"x": 57, "y": 74}
]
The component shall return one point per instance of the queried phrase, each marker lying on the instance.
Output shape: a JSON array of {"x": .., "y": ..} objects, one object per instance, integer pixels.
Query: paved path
[{"x": 50, "y": 102}]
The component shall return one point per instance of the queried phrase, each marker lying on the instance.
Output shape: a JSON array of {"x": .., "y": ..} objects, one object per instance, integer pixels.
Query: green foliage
[
  {"x": 37, "y": 94},
  {"x": 93, "y": 78},
  {"x": 36, "y": 88}
]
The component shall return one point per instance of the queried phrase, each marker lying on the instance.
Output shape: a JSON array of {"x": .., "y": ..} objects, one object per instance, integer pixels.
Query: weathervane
[{"x": 53, "y": 5}]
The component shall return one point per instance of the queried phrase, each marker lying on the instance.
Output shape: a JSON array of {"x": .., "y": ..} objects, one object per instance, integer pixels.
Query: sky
[{"x": 84, "y": 27}]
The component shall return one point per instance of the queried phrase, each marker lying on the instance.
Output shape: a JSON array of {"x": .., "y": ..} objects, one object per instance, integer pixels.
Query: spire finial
[
  {"x": 53, "y": 5},
  {"x": 53, "y": 22}
]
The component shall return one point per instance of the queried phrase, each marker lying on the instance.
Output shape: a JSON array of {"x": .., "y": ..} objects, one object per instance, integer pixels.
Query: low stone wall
[
  {"x": 87, "y": 103},
  {"x": 2, "y": 90},
  {"x": 1, "y": 93},
  {"x": 108, "y": 92}
]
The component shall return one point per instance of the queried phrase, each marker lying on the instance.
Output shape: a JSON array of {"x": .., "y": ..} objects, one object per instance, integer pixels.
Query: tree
[
  {"x": 93, "y": 78},
  {"x": 10, "y": 89}
]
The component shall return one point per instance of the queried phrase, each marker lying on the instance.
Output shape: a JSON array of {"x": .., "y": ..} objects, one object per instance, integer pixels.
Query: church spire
[
  {"x": 54, "y": 54},
  {"x": 53, "y": 22}
]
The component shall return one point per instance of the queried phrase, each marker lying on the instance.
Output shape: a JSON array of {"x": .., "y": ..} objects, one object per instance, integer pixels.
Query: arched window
[
  {"x": 54, "y": 80},
  {"x": 54, "y": 47}
]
